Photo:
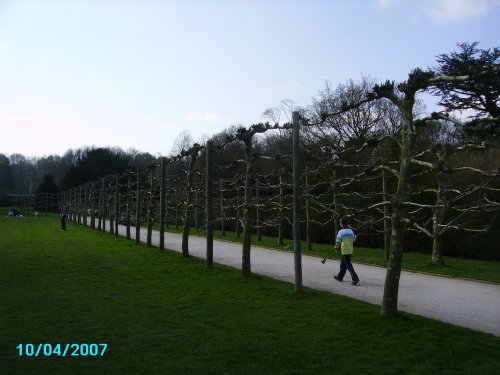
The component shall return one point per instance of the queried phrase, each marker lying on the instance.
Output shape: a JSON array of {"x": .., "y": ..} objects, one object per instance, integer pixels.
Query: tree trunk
[
  {"x": 238, "y": 202},
  {"x": 138, "y": 208},
  {"x": 246, "y": 269},
  {"x": 92, "y": 220},
  {"x": 257, "y": 210},
  {"x": 308, "y": 221},
  {"x": 222, "y": 219},
  {"x": 80, "y": 204},
  {"x": 188, "y": 202},
  {"x": 281, "y": 231},
  {"x": 391, "y": 287},
  {"x": 100, "y": 205},
  {"x": 162, "y": 204},
  {"x": 85, "y": 205},
  {"x": 149, "y": 212},
  {"x": 127, "y": 210},
  {"x": 387, "y": 234},
  {"x": 196, "y": 225},
  {"x": 117, "y": 204},
  {"x": 335, "y": 215},
  {"x": 438, "y": 218},
  {"x": 400, "y": 212},
  {"x": 437, "y": 251},
  {"x": 210, "y": 205},
  {"x": 297, "y": 195}
]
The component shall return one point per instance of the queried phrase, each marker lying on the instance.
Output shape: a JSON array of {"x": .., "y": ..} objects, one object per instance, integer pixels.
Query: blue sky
[{"x": 132, "y": 73}]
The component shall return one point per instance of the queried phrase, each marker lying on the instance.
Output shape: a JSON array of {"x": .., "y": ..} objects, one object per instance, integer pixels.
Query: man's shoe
[
  {"x": 337, "y": 278},
  {"x": 355, "y": 282}
]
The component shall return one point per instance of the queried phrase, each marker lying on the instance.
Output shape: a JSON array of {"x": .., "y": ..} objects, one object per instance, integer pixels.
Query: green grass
[
  {"x": 454, "y": 267},
  {"x": 161, "y": 313}
]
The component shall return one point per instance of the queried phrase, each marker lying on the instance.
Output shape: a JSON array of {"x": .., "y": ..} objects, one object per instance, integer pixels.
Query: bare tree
[
  {"x": 182, "y": 143},
  {"x": 352, "y": 126}
]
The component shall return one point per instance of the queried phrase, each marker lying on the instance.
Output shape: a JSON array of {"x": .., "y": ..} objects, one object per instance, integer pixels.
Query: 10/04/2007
[{"x": 62, "y": 350}]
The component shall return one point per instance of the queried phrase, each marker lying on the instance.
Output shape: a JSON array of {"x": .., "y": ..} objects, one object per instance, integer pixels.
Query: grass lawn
[{"x": 161, "y": 313}]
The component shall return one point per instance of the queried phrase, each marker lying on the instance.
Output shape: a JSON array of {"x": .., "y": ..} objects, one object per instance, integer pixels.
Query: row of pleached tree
[{"x": 364, "y": 151}]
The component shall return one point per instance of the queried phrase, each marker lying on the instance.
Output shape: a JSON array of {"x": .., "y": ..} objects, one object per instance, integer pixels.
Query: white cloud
[
  {"x": 203, "y": 116},
  {"x": 444, "y": 11}
]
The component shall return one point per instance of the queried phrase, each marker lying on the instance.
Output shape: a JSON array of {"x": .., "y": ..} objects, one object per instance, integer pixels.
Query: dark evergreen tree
[
  {"x": 478, "y": 95},
  {"x": 47, "y": 186},
  {"x": 6, "y": 175},
  {"x": 45, "y": 196},
  {"x": 94, "y": 164}
]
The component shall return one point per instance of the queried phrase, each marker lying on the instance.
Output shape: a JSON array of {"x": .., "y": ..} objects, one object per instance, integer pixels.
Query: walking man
[{"x": 345, "y": 242}]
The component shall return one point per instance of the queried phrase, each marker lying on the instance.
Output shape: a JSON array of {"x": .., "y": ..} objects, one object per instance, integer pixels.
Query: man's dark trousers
[{"x": 346, "y": 265}]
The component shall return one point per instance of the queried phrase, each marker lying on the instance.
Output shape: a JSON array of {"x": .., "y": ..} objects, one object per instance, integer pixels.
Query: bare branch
[
  {"x": 492, "y": 173},
  {"x": 419, "y": 228}
]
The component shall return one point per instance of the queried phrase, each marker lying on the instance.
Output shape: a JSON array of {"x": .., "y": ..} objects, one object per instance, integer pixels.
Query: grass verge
[{"x": 161, "y": 313}]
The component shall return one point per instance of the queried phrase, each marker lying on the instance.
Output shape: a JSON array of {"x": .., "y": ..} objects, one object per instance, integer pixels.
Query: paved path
[{"x": 465, "y": 303}]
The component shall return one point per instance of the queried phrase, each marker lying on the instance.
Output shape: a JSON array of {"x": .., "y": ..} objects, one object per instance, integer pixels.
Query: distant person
[
  {"x": 63, "y": 221},
  {"x": 345, "y": 242},
  {"x": 13, "y": 213},
  {"x": 36, "y": 213}
]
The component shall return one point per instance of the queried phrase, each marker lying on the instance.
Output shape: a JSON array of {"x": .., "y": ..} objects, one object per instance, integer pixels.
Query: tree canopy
[
  {"x": 482, "y": 93},
  {"x": 47, "y": 186},
  {"x": 6, "y": 175},
  {"x": 93, "y": 164}
]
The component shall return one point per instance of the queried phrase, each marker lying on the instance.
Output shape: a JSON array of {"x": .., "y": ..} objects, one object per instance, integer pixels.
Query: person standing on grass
[
  {"x": 345, "y": 242},
  {"x": 63, "y": 221}
]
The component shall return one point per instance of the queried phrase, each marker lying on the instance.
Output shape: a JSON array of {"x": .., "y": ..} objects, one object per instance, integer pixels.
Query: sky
[{"x": 138, "y": 73}]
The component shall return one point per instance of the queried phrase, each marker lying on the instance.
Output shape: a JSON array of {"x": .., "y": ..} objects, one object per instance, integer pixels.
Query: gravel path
[{"x": 471, "y": 304}]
